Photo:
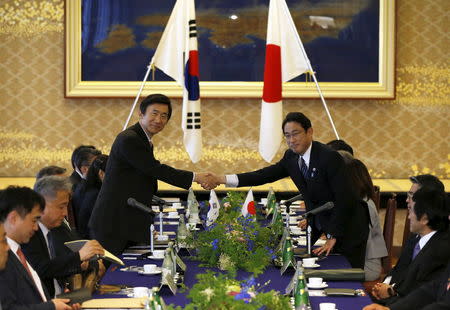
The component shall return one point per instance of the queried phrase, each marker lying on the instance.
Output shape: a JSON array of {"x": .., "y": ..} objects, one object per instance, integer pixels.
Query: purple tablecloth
[{"x": 277, "y": 282}]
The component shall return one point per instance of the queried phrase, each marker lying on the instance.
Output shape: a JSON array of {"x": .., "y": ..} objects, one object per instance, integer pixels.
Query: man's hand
[
  {"x": 375, "y": 307},
  {"x": 380, "y": 291},
  {"x": 89, "y": 249},
  {"x": 302, "y": 224},
  {"x": 326, "y": 248},
  {"x": 84, "y": 265},
  {"x": 61, "y": 304},
  {"x": 209, "y": 180}
]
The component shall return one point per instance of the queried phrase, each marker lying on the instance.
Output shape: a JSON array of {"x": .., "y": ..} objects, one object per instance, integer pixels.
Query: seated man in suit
[
  {"x": 434, "y": 295},
  {"x": 52, "y": 267},
  {"x": 20, "y": 285},
  {"x": 425, "y": 255},
  {"x": 320, "y": 175}
]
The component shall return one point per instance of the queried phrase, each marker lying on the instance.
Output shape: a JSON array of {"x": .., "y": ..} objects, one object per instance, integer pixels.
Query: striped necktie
[
  {"x": 23, "y": 260},
  {"x": 303, "y": 167}
]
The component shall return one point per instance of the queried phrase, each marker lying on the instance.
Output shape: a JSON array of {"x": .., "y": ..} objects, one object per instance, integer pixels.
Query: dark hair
[
  {"x": 340, "y": 145},
  {"x": 92, "y": 178},
  {"x": 155, "y": 99},
  {"x": 360, "y": 178},
  {"x": 21, "y": 199},
  {"x": 76, "y": 150},
  {"x": 431, "y": 202},
  {"x": 85, "y": 156},
  {"x": 50, "y": 170},
  {"x": 297, "y": 117},
  {"x": 428, "y": 181}
]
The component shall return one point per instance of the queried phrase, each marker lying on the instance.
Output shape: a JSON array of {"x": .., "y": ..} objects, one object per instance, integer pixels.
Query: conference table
[{"x": 115, "y": 276}]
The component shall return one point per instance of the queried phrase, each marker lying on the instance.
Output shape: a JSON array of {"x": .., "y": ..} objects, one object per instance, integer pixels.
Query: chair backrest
[
  {"x": 388, "y": 231},
  {"x": 376, "y": 198},
  {"x": 406, "y": 231}
]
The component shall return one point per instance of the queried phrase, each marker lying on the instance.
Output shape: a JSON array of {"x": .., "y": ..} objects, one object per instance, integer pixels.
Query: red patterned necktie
[{"x": 23, "y": 260}]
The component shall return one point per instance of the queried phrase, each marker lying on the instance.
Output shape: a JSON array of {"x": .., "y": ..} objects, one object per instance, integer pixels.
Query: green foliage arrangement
[
  {"x": 219, "y": 292},
  {"x": 235, "y": 242}
]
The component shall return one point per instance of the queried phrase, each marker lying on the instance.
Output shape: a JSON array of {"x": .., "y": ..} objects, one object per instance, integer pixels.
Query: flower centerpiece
[
  {"x": 218, "y": 291},
  {"x": 234, "y": 241}
]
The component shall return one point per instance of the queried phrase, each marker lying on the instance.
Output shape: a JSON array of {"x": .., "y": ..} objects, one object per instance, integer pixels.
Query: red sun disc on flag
[{"x": 251, "y": 208}]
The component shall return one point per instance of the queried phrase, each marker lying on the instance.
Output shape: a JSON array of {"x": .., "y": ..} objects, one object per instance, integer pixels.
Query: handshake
[{"x": 209, "y": 180}]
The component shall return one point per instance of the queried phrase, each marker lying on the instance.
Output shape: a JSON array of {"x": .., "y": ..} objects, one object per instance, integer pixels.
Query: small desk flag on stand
[
  {"x": 214, "y": 207},
  {"x": 177, "y": 56},
  {"x": 249, "y": 204}
]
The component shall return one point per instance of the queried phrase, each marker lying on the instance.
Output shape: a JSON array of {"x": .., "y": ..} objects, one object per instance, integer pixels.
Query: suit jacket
[
  {"x": 431, "y": 261},
  {"x": 83, "y": 201},
  {"x": 132, "y": 171},
  {"x": 376, "y": 246},
  {"x": 433, "y": 295},
  {"x": 59, "y": 267},
  {"x": 326, "y": 180},
  {"x": 17, "y": 288}
]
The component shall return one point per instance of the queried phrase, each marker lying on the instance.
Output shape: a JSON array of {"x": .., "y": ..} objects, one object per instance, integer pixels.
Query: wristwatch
[{"x": 330, "y": 236}]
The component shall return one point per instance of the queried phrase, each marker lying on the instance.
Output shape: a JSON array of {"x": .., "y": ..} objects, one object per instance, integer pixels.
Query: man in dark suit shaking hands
[
  {"x": 132, "y": 172},
  {"x": 319, "y": 174}
]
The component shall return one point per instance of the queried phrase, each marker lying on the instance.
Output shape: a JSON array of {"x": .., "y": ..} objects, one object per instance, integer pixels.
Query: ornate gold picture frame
[{"x": 384, "y": 88}]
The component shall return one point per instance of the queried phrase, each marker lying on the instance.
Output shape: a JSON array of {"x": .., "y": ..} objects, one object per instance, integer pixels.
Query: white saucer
[
  {"x": 311, "y": 266},
  {"x": 173, "y": 217},
  {"x": 323, "y": 285},
  {"x": 154, "y": 257},
  {"x": 156, "y": 271}
]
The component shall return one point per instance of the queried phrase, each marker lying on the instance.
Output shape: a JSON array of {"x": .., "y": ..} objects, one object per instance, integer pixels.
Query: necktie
[
  {"x": 23, "y": 260},
  {"x": 416, "y": 250},
  {"x": 303, "y": 167},
  {"x": 51, "y": 247}
]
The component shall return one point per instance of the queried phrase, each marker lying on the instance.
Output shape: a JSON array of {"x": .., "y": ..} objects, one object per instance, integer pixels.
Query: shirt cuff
[
  {"x": 387, "y": 280},
  {"x": 232, "y": 180}
]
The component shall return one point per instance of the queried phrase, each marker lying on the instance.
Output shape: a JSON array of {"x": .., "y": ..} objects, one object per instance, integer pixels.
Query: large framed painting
[{"x": 350, "y": 44}]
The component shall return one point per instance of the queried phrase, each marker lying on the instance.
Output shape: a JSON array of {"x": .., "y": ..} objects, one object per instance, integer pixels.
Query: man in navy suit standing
[
  {"x": 20, "y": 285},
  {"x": 319, "y": 174}
]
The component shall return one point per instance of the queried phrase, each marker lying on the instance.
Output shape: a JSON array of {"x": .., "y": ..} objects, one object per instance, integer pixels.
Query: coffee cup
[
  {"x": 264, "y": 201},
  {"x": 173, "y": 214},
  {"x": 140, "y": 291},
  {"x": 158, "y": 253},
  {"x": 149, "y": 268},
  {"x": 327, "y": 306},
  {"x": 296, "y": 230},
  {"x": 308, "y": 262},
  {"x": 315, "y": 281},
  {"x": 163, "y": 237}
]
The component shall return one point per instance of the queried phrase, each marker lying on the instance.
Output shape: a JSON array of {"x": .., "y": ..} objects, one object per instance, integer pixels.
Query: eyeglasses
[{"x": 294, "y": 134}]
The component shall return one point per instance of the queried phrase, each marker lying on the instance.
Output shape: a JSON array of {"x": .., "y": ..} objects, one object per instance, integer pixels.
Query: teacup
[
  {"x": 296, "y": 230},
  {"x": 264, "y": 201},
  {"x": 315, "y": 282},
  {"x": 149, "y": 268},
  {"x": 173, "y": 214},
  {"x": 163, "y": 237},
  {"x": 308, "y": 262},
  {"x": 158, "y": 253},
  {"x": 140, "y": 291},
  {"x": 327, "y": 306}
]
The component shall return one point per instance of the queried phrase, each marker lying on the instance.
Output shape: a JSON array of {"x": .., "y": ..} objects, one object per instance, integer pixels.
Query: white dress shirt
[
  {"x": 232, "y": 180},
  {"x": 45, "y": 231},
  {"x": 14, "y": 246}
]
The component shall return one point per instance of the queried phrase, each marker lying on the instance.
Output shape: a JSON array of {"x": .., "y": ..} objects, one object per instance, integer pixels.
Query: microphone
[
  {"x": 326, "y": 206},
  {"x": 158, "y": 201},
  {"x": 295, "y": 198},
  {"x": 136, "y": 204}
]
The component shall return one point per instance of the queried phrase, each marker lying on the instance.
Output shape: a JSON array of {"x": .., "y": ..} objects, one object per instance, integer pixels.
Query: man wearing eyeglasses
[
  {"x": 132, "y": 172},
  {"x": 426, "y": 253},
  {"x": 320, "y": 175}
]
